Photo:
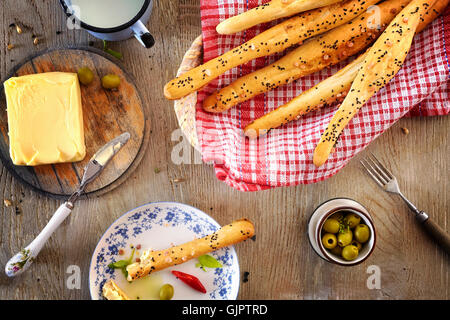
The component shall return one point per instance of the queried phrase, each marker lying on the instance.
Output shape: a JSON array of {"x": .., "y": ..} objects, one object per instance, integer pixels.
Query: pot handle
[{"x": 142, "y": 34}]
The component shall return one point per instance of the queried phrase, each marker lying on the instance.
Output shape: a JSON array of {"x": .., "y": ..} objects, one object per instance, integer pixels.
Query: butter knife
[{"x": 22, "y": 260}]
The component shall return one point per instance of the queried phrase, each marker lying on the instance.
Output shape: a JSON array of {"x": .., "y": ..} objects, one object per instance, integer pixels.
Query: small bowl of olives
[{"x": 342, "y": 231}]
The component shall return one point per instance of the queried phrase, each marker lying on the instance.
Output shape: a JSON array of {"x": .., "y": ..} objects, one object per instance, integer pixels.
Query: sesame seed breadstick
[
  {"x": 276, "y": 39},
  {"x": 325, "y": 93},
  {"x": 151, "y": 261},
  {"x": 269, "y": 11},
  {"x": 322, "y": 51},
  {"x": 331, "y": 90},
  {"x": 111, "y": 291},
  {"x": 432, "y": 14},
  {"x": 382, "y": 62}
]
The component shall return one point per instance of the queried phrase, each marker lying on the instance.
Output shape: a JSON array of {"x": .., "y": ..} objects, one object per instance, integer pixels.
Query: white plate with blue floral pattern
[{"x": 158, "y": 226}]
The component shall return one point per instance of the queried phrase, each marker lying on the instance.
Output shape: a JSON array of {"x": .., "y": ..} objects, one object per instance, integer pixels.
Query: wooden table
[{"x": 281, "y": 263}]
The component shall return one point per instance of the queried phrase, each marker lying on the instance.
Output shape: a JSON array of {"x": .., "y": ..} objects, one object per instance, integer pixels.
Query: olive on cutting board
[
  {"x": 110, "y": 81},
  {"x": 85, "y": 76}
]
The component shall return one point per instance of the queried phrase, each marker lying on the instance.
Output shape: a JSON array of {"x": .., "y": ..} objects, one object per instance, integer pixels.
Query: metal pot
[{"x": 135, "y": 27}]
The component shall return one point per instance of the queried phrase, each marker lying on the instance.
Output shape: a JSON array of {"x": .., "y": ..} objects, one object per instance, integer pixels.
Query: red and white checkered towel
[{"x": 284, "y": 156}]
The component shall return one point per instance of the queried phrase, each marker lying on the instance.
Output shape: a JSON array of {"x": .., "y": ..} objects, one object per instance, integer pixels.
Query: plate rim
[{"x": 233, "y": 250}]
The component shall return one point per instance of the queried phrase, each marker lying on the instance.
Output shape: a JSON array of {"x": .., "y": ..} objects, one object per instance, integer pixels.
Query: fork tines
[{"x": 377, "y": 170}]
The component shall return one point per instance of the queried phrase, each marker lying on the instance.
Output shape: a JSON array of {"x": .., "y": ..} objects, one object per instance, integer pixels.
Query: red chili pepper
[{"x": 190, "y": 280}]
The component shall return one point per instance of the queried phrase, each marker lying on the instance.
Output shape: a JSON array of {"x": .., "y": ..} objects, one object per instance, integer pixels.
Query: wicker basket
[{"x": 185, "y": 107}]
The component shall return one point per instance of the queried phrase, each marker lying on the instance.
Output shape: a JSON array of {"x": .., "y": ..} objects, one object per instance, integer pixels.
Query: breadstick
[
  {"x": 432, "y": 14},
  {"x": 111, "y": 291},
  {"x": 151, "y": 261},
  {"x": 276, "y": 39},
  {"x": 380, "y": 65},
  {"x": 329, "y": 91},
  {"x": 322, "y": 51},
  {"x": 325, "y": 93},
  {"x": 272, "y": 10}
]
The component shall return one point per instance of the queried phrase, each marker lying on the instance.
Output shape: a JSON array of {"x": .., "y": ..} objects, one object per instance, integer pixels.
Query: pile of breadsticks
[{"x": 325, "y": 32}]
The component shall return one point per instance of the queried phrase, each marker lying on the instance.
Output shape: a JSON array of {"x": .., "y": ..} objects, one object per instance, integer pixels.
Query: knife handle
[{"x": 22, "y": 260}]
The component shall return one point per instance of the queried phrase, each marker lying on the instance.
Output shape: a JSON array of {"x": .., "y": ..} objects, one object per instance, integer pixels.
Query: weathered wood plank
[{"x": 281, "y": 263}]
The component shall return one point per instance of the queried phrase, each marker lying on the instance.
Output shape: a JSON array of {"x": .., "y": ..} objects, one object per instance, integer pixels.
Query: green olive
[
  {"x": 166, "y": 292},
  {"x": 357, "y": 244},
  {"x": 336, "y": 251},
  {"x": 337, "y": 216},
  {"x": 331, "y": 225},
  {"x": 352, "y": 220},
  {"x": 344, "y": 238},
  {"x": 362, "y": 233},
  {"x": 85, "y": 75},
  {"x": 349, "y": 252},
  {"x": 329, "y": 241},
  {"x": 110, "y": 81}
]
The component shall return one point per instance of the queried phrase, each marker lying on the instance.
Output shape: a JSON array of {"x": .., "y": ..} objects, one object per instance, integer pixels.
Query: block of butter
[{"x": 45, "y": 118}]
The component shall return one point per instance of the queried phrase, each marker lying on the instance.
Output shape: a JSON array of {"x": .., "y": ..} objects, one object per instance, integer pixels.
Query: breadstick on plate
[
  {"x": 380, "y": 65},
  {"x": 322, "y": 51},
  {"x": 151, "y": 261},
  {"x": 325, "y": 93},
  {"x": 111, "y": 291},
  {"x": 329, "y": 91},
  {"x": 276, "y": 39},
  {"x": 269, "y": 11}
]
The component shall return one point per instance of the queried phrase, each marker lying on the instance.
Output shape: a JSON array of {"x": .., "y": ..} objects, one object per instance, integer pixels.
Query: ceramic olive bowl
[{"x": 323, "y": 212}]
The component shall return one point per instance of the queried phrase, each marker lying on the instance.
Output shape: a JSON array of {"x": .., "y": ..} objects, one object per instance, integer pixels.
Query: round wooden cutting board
[{"x": 106, "y": 114}]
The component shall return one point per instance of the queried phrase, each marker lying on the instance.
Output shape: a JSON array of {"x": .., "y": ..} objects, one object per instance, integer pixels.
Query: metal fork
[{"x": 385, "y": 179}]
